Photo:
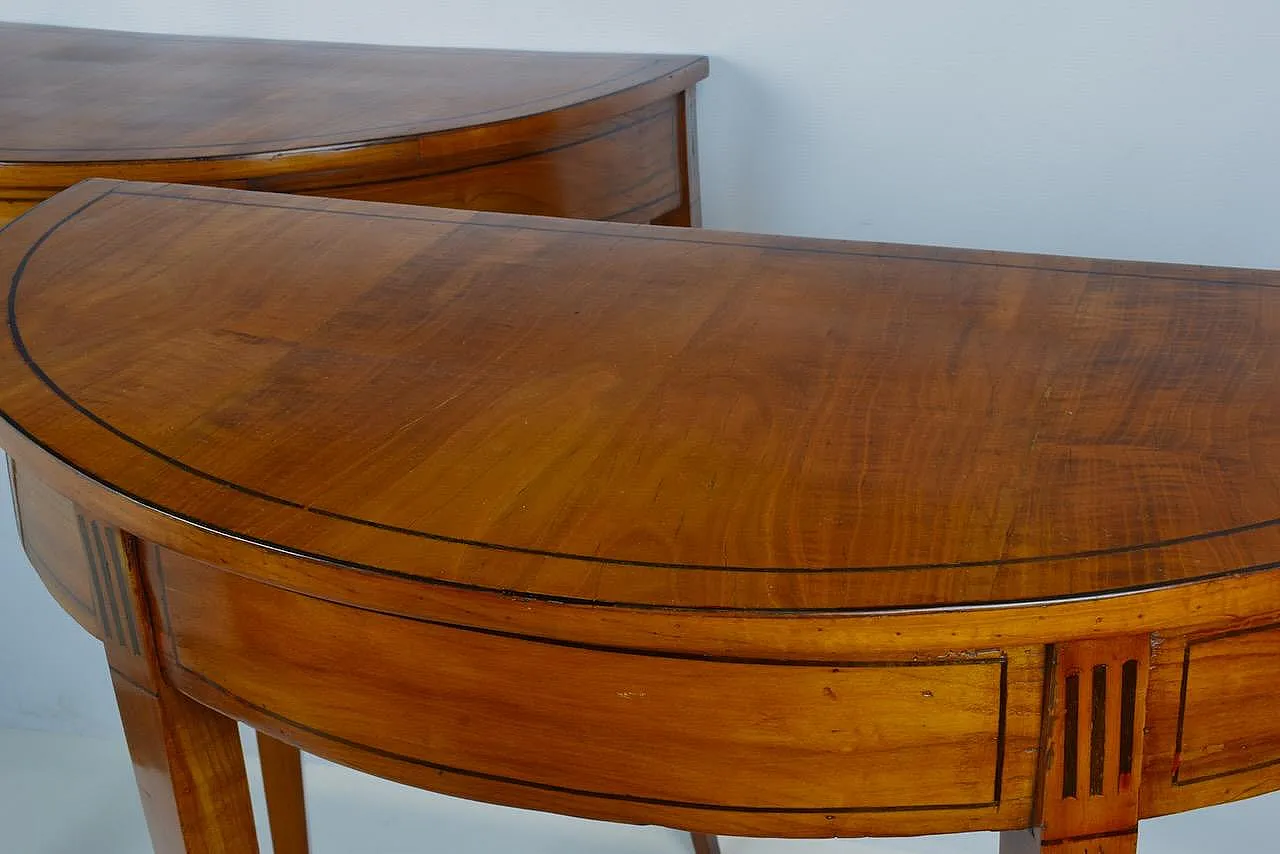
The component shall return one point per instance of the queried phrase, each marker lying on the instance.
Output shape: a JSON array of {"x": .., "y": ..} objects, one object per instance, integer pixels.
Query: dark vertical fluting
[
  {"x": 122, "y": 584},
  {"x": 1098, "y": 730},
  {"x": 1070, "y": 735},
  {"x": 1128, "y": 714},
  {"x": 110, "y": 584}
]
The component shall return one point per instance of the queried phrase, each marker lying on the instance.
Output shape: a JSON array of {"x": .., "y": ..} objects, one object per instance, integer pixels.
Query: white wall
[{"x": 1097, "y": 127}]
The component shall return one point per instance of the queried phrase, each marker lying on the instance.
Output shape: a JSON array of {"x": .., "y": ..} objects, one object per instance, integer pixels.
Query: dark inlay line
[
  {"x": 37, "y": 560},
  {"x": 126, "y": 601},
  {"x": 1233, "y": 633},
  {"x": 834, "y": 665},
  {"x": 661, "y": 200},
  {"x": 124, "y": 677},
  {"x": 1178, "y": 779},
  {"x": 334, "y": 560},
  {"x": 1070, "y": 735},
  {"x": 1098, "y": 730},
  {"x": 20, "y": 345},
  {"x": 339, "y": 139},
  {"x": 1000, "y": 731},
  {"x": 93, "y": 575},
  {"x": 551, "y": 787},
  {"x": 107, "y": 585},
  {"x": 1128, "y": 715},
  {"x": 1106, "y": 834},
  {"x": 1182, "y": 712},
  {"x": 164, "y": 601},
  {"x": 13, "y": 494},
  {"x": 51, "y": 578},
  {"x": 1230, "y": 772},
  {"x": 487, "y": 163}
]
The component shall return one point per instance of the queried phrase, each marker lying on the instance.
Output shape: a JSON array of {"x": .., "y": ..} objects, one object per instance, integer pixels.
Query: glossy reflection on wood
[
  {"x": 600, "y": 136},
  {"x": 653, "y": 418},
  {"x": 187, "y": 758},
  {"x": 575, "y": 135},
  {"x": 190, "y": 772},
  {"x": 733, "y": 534}
]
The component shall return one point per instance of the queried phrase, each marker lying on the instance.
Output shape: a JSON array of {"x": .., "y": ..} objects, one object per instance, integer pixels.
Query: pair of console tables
[{"x": 731, "y": 533}]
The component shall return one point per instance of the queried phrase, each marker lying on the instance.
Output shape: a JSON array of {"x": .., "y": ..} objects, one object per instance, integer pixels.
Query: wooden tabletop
[
  {"x": 636, "y": 415},
  {"x": 593, "y": 136},
  {"x": 132, "y": 96}
]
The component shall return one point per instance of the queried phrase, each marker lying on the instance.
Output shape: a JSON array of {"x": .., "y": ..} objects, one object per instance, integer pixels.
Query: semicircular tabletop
[
  {"x": 97, "y": 95},
  {"x": 635, "y": 415},
  {"x": 584, "y": 135}
]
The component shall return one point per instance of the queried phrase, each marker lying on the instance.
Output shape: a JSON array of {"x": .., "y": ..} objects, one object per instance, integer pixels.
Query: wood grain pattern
[
  {"x": 1222, "y": 675},
  {"x": 190, "y": 772},
  {"x": 1211, "y": 730},
  {"x": 48, "y": 526},
  {"x": 625, "y": 444},
  {"x": 773, "y": 736},
  {"x": 282, "y": 784},
  {"x": 619, "y": 149},
  {"x": 558, "y": 134},
  {"x": 1094, "y": 757},
  {"x": 187, "y": 758},
  {"x": 689, "y": 213},
  {"x": 553, "y": 476},
  {"x": 625, "y": 170}
]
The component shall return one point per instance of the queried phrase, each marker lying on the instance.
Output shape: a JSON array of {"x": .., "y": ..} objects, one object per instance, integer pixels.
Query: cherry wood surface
[
  {"x": 282, "y": 785},
  {"x": 730, "y": 533},
  {"x": 595, "y": 414},
  {"x": 600, "y": 136},
  {"x": 578, "y": 135}
]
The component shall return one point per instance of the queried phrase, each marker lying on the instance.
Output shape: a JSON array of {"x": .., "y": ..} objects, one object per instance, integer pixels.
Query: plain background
[{"x": 1145, "y": 130}]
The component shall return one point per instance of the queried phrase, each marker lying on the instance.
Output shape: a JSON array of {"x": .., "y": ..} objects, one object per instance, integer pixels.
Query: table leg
[
  {"x": 689, "y": 213},
  {"x": 286, "y": 808},
  {"x": 190, "y": 772},
  {"x": 704, "y": 843},
  {"x": 1096, "y": 699},
  {"x": 186, "y": 757},
  {"x": 1031, "y": 842}
]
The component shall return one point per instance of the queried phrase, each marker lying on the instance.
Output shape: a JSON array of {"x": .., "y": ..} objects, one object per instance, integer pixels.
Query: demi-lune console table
[
  {"x": 735, "y": 534},
  {"x": 597, "y": 136}
]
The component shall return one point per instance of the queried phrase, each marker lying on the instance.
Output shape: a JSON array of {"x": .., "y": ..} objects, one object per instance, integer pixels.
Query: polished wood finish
[
  {"x": 187, "y": 758},
  {"x": 190, "y": 772},
  {"x": 801, "y": 703},
  {"x": 282, "y": 782},
  {"x": 601, "y": 136},
  {"x": 576, "y": 135},
  {"x": 1093, "y": 754},
  {"x": 689, "y": 213},
  {"x": 638, "y": 402},
  {"x": 473, "y": 501}
]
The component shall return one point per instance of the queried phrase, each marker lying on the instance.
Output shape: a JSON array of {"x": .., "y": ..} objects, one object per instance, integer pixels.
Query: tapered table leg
[
  {"x": 1097, "y": 702},
  {"x": 286, "y": 808},
  {"x": 186, "y": 757},
  {"x": 704, "y": 843},
  {"x": 190, "y": 772}
]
